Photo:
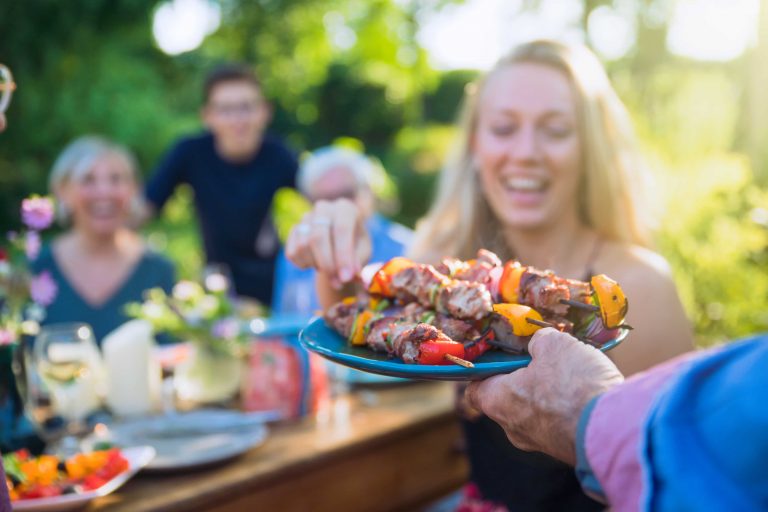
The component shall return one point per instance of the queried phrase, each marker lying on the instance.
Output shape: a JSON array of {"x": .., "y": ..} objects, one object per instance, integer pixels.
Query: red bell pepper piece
[{"x": 433, "y": 352}]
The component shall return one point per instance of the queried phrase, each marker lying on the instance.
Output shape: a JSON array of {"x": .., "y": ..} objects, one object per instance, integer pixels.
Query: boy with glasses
[{"x": 234, "y": 169}]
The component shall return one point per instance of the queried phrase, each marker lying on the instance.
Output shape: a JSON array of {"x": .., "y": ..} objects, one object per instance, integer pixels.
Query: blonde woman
[
  {"x": 545, "y": 171},
  {"x": 99, "y": 263}
]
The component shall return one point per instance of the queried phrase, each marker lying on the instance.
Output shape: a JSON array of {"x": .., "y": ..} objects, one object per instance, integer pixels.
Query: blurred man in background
[{"x": 234, "y": 169}]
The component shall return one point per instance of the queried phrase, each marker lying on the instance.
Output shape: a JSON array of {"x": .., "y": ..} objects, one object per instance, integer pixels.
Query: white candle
[{"x": 132, "y": 374}]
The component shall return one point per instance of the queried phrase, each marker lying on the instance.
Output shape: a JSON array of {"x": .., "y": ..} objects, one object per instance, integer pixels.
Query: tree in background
[{"x": 354, "y": 68}]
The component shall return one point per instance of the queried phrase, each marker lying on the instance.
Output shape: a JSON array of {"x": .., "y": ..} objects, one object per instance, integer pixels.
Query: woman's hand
[
  {"x": 332, "y": 239},
  {"x": 539, "y": 406}
]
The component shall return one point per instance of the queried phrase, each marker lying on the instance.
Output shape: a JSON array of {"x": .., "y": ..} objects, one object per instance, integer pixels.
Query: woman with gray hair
[
  {"x": 328, "y": 174},
  {"x": 99, "y": 263}
]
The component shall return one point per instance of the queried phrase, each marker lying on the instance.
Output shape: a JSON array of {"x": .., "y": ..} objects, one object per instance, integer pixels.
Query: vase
[{"x": 208, "y": 376}]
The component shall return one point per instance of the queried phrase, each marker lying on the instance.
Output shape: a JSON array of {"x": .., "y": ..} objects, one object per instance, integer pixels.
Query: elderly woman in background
[
  {"x": 99, "y": 263},
  {"x": 331, "y": 173},
  {"x": 544, "y": 171}
]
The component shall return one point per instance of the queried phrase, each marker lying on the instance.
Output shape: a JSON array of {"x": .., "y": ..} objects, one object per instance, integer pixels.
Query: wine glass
[
  {"x": 7, "y": 86},
  {"x": 65, "y": 383},
  {"x": 217, "y": 277}
]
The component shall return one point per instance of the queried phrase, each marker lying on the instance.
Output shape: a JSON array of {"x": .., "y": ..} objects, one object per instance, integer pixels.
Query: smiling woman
[
  {"x": 99, "y": 263},
  {"x": 543, "y": 172}
]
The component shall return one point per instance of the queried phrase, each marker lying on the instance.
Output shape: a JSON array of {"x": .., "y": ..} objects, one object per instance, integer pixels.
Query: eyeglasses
[
  {"x": 7, "y": 86},
  {"x": 236, "y": 109}
]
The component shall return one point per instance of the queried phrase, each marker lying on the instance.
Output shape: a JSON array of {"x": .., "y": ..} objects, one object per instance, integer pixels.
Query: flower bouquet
[
  {"x": 214, "y": 324},
  {"x": 23, "y": 295},
  {"x": 23, "y": 299}
]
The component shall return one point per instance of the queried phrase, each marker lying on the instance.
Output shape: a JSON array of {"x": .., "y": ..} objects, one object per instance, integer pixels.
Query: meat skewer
[
  {"x": 455, "y": 300},
  {"x": 413, "y": 342},
  {"x": 406, "y": 281}
]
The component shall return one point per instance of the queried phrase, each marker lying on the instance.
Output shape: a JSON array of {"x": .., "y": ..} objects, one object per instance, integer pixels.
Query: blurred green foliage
[{"x": 86, "y": 66}]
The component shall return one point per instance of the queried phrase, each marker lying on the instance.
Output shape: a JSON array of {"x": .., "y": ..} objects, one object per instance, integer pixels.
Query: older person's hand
[
  {"x": 331, "y": 238},
  {"x": 539, "y": 406}
]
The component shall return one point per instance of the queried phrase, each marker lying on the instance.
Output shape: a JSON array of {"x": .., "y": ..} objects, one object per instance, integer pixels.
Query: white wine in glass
[{"x": 65, "y": 382}]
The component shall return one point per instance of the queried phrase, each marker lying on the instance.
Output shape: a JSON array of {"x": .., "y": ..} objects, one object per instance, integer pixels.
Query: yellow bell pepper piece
[
  {"x": 518, "y": 315},
  {"x": 357, "y": 338},
  {"x": 611, "y": 300}
]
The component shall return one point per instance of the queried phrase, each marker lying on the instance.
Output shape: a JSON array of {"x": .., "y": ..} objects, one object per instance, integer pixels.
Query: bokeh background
[{"x": 389, "y": 74}]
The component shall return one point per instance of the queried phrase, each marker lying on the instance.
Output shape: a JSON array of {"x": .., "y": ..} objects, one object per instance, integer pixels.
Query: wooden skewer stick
[
  {"x": 580, "y": 305},
  {"x": 459, "y": 361},
  {"x": 540, "y": 323}
]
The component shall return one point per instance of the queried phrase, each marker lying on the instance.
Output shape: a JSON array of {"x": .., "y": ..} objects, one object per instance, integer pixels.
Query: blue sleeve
[
  {"x": 171, "y": 172},
  {"x": 584, "y": 472},
  {"x": 706, "y": 446},
  {"x": 699, "y": 442},
  {"x": 293, "y": 169}
]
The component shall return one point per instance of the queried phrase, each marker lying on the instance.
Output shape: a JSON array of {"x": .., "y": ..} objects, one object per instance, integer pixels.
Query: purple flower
[
  {"x": 37, "y": 212},
  {"x": 226, "y": 328},
  {"x": 43, "y": 288},
  {"x": 32, "y": 245}
]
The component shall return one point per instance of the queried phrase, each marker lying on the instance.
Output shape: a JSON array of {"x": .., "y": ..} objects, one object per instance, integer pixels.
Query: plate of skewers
[{"x": 462, "y": 320}]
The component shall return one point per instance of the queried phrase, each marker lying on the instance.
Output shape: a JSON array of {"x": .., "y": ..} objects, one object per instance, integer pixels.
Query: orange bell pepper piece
[
  {"x": 611, "y": 300},
  {"x": 509, "y": 284},
  {"x": 380, "y": 282}
]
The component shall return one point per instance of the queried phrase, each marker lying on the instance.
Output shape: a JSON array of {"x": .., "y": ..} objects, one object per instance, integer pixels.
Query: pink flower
[
  {"x": 43, "y": 288},
  {"x": 37, "y": 212},
  {"x": 32, "y": 245},
  {"x": 6, "y": 337}
]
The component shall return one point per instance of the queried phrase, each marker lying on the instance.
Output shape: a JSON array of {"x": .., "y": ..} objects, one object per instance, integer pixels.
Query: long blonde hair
[{"x": 460, "y": 220}]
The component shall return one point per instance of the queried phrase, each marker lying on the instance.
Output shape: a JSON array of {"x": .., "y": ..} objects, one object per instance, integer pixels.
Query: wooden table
[{"x": 393, "y": 448}]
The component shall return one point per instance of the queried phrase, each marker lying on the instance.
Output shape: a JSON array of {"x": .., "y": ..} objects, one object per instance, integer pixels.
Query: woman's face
[
  {"x": 100, "y": 200},
  {"x": 526, "y": 146}
]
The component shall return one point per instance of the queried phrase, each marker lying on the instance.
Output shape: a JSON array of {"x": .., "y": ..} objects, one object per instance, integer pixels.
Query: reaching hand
[
  {"x": 331, "y": 238},
  {"x": 539, "y": 406}
]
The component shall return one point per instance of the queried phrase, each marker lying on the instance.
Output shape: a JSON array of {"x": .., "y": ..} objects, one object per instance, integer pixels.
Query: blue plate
[{"x": 320, "y": 338}]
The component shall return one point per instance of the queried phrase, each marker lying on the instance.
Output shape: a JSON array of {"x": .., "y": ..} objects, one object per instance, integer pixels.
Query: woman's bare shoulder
[{"x": 634, "y": 263}]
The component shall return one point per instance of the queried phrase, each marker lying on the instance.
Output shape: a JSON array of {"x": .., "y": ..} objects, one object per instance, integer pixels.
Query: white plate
[
  {"x": 137, "y": 456},
  {"x": 192, "y": 439}
]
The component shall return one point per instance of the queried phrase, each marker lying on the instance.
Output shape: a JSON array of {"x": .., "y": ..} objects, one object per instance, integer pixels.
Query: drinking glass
[
  {"x": 7, "y": 86},
  {"x": 65, "y": 383}
]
